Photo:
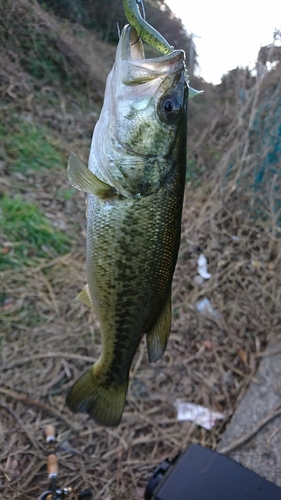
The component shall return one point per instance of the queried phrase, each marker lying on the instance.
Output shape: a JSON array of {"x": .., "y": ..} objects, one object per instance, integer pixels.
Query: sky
[{"x": 231, "y": 33}]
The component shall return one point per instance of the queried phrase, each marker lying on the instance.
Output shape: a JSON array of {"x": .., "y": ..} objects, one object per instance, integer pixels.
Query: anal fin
[
  {"x": 84, "y": 296},
  {"x": 157, "y": 337}
]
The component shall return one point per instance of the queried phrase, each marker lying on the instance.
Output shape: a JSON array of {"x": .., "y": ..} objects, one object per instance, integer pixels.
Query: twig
[
  {"x": 27, "y": 400},
  {"x": 245, "y": 437},
  {"x": 20, "y": 422},
  {"x": 34, "y": 469},
  {"x": 57, "y": 260},
  {"x": 267, "y": 353},
  {"x": 240, "y": 373},
  {"x": 66, "y": 355}
]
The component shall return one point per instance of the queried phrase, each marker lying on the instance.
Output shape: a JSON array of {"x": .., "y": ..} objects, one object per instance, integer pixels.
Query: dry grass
[{"x": 47, "y": 338}]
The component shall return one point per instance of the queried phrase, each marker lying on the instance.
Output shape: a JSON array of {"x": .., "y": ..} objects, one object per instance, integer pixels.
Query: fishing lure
[
  {"x": 144, "y": 30},
  {"x": 150, "y": 35}
]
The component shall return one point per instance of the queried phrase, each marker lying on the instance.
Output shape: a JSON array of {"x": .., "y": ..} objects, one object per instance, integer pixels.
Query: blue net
[{"x": 257, "y": 157}]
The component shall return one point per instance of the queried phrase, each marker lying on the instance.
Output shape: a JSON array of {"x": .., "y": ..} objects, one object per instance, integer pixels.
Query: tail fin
[{"x": 105, "y": 404}]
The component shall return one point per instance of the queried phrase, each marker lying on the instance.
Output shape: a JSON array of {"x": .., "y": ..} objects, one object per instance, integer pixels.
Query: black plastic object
[
  {"x": 202, "y": 474},
  {"x": 60, "y": 494},
  {"x": 85, "y": 494}
]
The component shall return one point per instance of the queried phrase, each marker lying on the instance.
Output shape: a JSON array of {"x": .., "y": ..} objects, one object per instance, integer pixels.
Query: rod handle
[
  {"x": 52, "y": 465},
  {"x": 50, "y": 433}
]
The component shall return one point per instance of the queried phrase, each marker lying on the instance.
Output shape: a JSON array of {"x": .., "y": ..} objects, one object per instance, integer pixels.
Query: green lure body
[{"x": 146, "y": 32}]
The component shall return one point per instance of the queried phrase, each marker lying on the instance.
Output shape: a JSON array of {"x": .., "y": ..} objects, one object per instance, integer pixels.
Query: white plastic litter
[
  {"x": 204, "y": 306},
  {"x": 202, "y": 268},
  {"x": 198, "y": 414}
]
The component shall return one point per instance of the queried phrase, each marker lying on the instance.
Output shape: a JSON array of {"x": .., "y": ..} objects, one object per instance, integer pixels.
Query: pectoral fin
[
  {"x": 157, "y": 337},
  {"x": 84, "y": 296},
  {"x": 83, "y": 179}
]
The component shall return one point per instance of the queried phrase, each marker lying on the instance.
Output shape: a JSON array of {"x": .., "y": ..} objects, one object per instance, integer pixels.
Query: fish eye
[{"x": 169, "y": 107}]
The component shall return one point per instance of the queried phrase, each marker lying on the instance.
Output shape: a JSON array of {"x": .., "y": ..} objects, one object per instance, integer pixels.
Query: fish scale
[{"x": 118, "y": 235}]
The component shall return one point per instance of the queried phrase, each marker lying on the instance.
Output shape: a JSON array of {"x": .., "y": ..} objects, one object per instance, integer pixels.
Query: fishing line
[
  {"x": 142, "y": 10},
  {"x": 118, "y": 30}
]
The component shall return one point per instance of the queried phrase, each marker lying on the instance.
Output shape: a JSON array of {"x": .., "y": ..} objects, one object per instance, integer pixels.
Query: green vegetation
[
  {"x": 27, "y": 234},
  {"x": 28, "y": 147},
  {"x": 193, "y": 172},
  {"x": 68, "y": 193},
  {"x": 39, "y": 54},
  {"x": 46, "y": 62}
]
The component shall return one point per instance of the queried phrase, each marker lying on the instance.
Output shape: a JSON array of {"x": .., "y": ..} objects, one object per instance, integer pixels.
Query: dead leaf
[
  {"x": 208, "y": 345},
  {"x": 243, "y": 356}
]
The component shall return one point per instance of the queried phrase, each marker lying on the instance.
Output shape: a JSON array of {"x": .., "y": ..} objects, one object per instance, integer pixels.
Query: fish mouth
[
  {"x": 131, "y": 45},
  {"x": 130, "y": 50}
]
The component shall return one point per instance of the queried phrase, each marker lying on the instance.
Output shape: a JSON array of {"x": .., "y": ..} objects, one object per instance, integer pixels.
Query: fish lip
[
  {"x": 131, "y": 50},
  {"x": 131, "y": 46}
]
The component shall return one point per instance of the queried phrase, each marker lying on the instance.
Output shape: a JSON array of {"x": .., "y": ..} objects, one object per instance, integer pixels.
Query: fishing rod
[{"x": 54, "y": 491}]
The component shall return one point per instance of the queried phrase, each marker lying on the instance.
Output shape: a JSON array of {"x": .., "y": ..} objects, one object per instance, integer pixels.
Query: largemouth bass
[{"x": 135, "y": 185}]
